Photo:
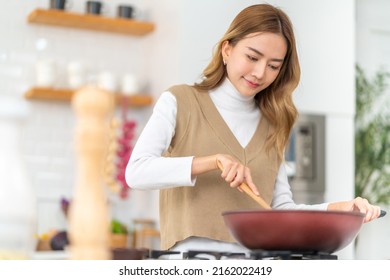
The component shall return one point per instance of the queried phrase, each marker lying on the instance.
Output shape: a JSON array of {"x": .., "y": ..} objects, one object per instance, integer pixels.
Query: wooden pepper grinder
[{"x": 89, "y": 224}]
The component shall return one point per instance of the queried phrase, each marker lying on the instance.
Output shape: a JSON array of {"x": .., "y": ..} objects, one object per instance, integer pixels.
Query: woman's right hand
[{"x": 235, "y": 173}]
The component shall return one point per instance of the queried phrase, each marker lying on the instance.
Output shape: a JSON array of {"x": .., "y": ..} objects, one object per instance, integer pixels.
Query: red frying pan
[{"x": 293, "y": 230}]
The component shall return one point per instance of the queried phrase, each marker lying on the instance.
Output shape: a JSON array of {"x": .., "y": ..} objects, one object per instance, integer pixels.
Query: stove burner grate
[
  {"x": 207, "y": 255},
  {"x": 290, "y": 255},
  {"x": 251, "y": 255}
]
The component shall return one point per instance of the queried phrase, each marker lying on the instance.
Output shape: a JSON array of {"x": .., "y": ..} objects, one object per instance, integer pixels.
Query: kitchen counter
[{"x": 50, "y": 255}]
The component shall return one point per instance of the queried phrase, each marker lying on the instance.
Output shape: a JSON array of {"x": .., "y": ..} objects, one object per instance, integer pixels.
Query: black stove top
[
  {"x": 291, "y": 255},
  {"x": 252, "y": 255}
]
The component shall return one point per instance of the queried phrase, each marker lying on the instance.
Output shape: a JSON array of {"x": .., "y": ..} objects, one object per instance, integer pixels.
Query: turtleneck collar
[{"x": 226, "y": 96}]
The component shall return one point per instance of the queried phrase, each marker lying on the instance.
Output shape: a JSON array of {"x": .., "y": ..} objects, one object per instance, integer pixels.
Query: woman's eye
[
  {"x": 251, "y": 58},
  {"x": 273, "y": 67}
]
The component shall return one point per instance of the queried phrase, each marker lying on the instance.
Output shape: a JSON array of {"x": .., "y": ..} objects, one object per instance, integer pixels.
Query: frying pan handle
[
  {"x": 249, "y": 192},
  {"x": 382, "y": 214}
]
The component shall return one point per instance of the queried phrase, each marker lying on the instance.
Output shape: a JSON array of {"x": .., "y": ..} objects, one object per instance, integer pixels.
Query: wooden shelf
[
  {"x": 91, "y": 22},
  {"x": 42, "y": 93}
]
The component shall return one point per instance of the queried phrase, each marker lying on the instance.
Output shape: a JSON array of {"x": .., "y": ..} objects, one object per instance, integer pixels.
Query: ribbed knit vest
[{"x": 201, "y": 131}]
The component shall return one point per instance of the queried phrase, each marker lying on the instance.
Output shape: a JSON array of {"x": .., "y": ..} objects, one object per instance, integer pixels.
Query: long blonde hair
[{"x": 275, "y": 102}]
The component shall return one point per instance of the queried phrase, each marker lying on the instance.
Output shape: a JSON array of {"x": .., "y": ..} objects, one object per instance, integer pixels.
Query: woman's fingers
[
  {"x": 235, "y": 173},
  {"x": 358, "y": 204},
  {"x": 362, "y": 205}
]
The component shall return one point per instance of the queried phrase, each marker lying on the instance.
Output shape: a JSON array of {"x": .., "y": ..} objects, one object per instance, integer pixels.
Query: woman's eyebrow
[{"x": 261, "y": 54}]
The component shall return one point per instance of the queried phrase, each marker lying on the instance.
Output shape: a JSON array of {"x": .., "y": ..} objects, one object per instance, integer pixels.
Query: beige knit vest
[{"x": 201, "y": 131}]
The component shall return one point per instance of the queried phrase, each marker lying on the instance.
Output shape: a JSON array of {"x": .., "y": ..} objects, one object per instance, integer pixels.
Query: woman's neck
[{"x": 227, "y": 97}]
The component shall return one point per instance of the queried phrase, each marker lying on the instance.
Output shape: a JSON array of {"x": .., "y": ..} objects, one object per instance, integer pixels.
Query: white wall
[
  {"x": 202, "y": 24},
  {"x": 373, "y": 38}
]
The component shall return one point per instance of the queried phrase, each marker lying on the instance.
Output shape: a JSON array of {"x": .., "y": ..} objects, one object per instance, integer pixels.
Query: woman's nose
[{"x": 259, "y": 70}]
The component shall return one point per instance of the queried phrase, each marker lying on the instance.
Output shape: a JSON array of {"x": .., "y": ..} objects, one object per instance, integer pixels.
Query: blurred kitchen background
[{"x": 332, "y": 36}]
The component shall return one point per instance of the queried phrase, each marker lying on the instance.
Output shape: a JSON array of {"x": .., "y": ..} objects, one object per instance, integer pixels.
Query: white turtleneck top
[{"x": 148, "y": 170}]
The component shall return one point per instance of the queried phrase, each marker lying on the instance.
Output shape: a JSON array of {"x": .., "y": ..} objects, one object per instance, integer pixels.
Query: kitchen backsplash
[{"x": 47, "y": 132}]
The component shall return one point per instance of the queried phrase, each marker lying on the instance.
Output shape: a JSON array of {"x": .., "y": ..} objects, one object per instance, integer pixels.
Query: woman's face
[{"x": 254, "y": 62}]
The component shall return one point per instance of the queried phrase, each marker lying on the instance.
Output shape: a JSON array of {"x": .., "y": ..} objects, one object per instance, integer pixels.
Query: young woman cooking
[{"x": 240, "y": 115}]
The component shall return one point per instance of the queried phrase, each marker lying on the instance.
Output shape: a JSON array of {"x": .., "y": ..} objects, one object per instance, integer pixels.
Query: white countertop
[{"x": 50, "y": 255}]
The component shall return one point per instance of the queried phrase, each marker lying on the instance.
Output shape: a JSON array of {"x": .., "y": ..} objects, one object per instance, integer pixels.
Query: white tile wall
[{"x": 47, "y": 133}]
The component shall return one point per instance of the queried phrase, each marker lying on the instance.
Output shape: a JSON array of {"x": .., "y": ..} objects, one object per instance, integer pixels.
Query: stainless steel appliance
[{"x": 305, "y": 158}]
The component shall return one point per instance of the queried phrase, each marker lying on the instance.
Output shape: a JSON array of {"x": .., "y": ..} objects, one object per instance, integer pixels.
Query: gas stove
[
  {"x": 291, "y": 255},
  {"x": 215, "y": 255},
  {"x": 258, "y": 255}
]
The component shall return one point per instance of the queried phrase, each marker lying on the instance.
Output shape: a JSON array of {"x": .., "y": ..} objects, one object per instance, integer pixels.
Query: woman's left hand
[{"x": 358, "y": 204}]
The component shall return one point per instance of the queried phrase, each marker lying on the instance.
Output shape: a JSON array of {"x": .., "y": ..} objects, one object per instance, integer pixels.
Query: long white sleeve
[
  {"x": 283, "y": 198},
  {"x": 147, "y": 169}
]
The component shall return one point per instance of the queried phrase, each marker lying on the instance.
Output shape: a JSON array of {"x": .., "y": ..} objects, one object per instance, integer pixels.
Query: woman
[{"x": 240, "y": 115}]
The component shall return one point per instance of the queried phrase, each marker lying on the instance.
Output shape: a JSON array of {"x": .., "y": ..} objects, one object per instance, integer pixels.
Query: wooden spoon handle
[
  {"x": 249, "y": 192},
  {"x": 257, "y": 198}
]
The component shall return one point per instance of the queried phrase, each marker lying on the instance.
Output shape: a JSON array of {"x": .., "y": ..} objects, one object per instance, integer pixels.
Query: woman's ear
[{"x": 225, "y": 49}]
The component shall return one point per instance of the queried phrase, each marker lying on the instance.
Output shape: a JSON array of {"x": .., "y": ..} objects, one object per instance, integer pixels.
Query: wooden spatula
[{"x": 249, "y": 192}]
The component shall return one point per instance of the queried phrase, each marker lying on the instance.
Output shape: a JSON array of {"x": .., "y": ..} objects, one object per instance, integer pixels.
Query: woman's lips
[{"x": 251, "y": 84}]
